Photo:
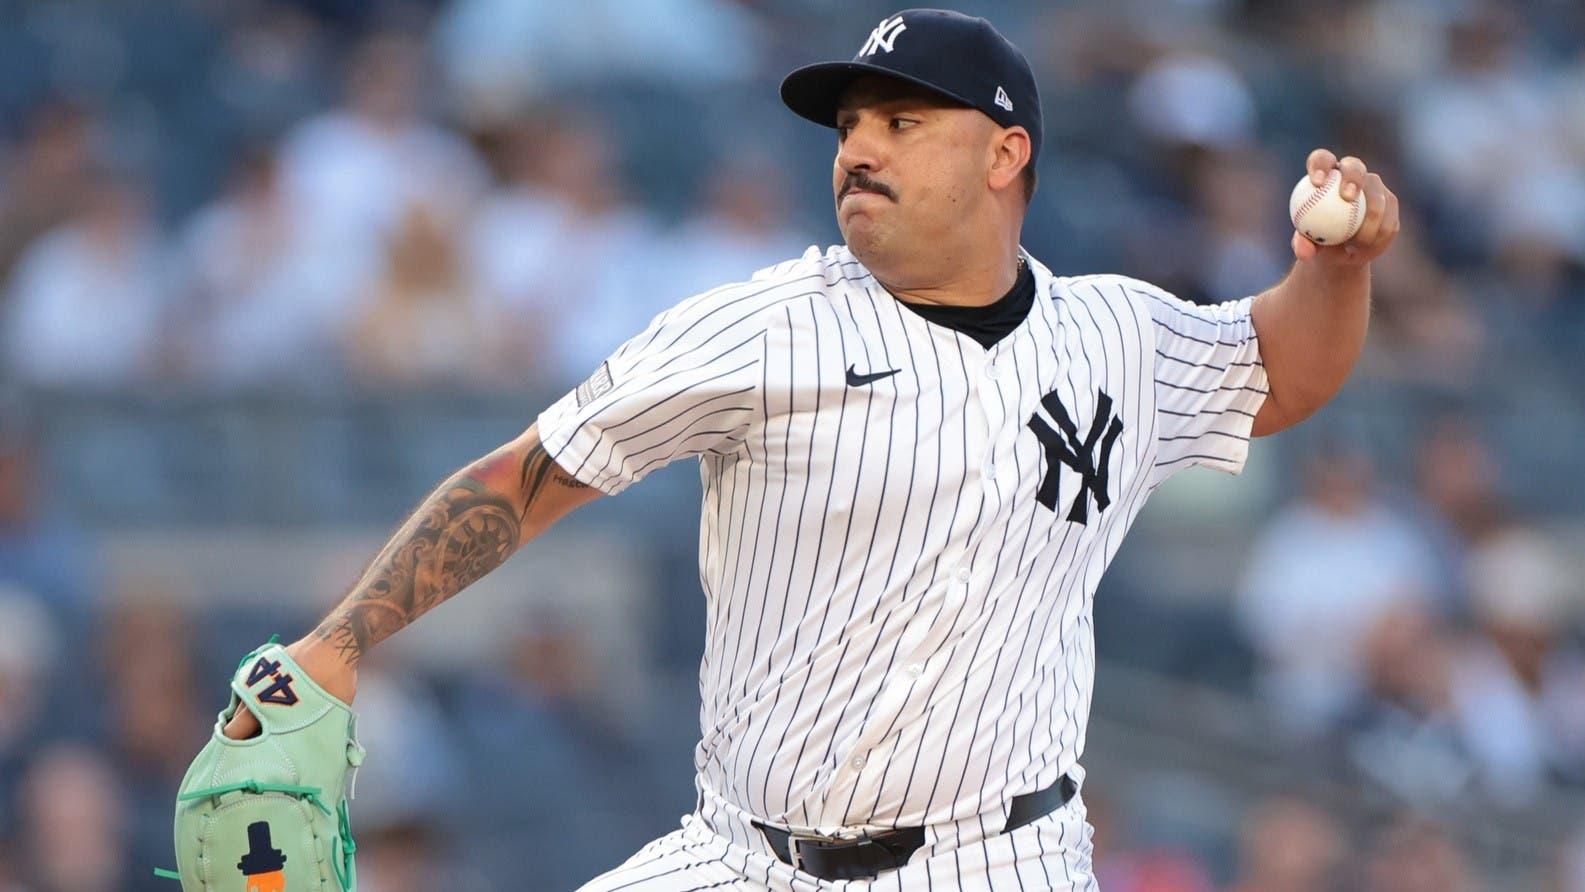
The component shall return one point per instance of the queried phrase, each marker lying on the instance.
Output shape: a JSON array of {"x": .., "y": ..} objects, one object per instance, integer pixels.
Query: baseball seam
[{"x": 1316, "y": 195}]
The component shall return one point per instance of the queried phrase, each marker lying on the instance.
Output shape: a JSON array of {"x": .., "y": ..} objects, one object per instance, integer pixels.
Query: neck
[{"x": 975, "y": 284}]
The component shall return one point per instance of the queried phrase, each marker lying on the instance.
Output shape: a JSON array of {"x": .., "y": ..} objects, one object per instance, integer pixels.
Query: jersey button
[
  {"x": 992, "y": 370},
  {"x": 858, "y": 761},
  {"x": 964, "y": 575},
  {"x": 989, "y": 470},
  {"x": 915, "y": 670}
]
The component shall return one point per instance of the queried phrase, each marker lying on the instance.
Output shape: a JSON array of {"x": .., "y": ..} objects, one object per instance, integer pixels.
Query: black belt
[{"x": 865, "y": 858}]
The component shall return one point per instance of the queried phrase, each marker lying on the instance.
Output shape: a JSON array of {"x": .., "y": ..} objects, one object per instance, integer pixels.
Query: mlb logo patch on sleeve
[{"x": 598, "y": 385}]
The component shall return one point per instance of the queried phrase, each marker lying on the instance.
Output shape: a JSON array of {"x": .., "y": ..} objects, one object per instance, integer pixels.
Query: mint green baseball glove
[{"x": 269, "y": 813}]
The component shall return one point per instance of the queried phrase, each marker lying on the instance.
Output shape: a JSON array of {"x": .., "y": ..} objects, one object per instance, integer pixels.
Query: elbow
[{"x": 1283, "y": 409}]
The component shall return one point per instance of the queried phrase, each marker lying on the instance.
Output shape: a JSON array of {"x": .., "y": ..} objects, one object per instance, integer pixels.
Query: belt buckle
[
  {"x": 794, "y": 838},
  {"x": 793, "y": 855}
]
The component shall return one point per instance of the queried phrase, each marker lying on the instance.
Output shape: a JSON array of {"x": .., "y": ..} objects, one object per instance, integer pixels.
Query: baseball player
[{"x": 919, "y": 450}]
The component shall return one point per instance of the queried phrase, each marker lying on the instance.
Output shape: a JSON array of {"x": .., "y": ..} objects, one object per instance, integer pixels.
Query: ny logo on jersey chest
[{"x": 1089, "y": 457}]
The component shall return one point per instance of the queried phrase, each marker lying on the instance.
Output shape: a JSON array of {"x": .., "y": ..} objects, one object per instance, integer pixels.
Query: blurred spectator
[
  {"x": 87, "y": 301},
  {"x": 1321, "y": 574},
  {"x": 413, "y": 766},
  {"x": 1123, "y": 865},
  {"x": 147, "y": 687},
  {"x": 1423, "y": 330},
  {"x": 1459, "y": 497},
  {"x": 1418, "y": 856},
  {"x": 147, "y": 646},
  {"x": 74, "y": 825},
  {"x": 405, "y": 857},
  {"x": 502, "y": 54},
  {"x": 1188, "y": 99},
  {"x": 1404, "y": 732},
  {"x": 1446, "y": 716},
  {"x": 1476, "y": 128},
  {"x": 9, "y": 880},
  {"x": 1289, "y": 845},
  {"x": 1196, "y": 221},
  {"x": 264, "y": 302},
  {"x": 535, "y": 711},
  {"x": 1527, "y": 676},
  {"x": 40, "y": 551},
  {"x": 45, "y": 182},
  {"x": 424, "y": 323},
  {"x": 1567, "y": 872},
  {"x": 1539, "y": 223},
  {"x": 743, "y": 225},
  {"x": 1239, "y": 200},
  {"x": 353, "y": 173},
  {"x": 563, "y": 256},
  {"x": 273, "y": 66},
  {"x": 28, "y": 652}
]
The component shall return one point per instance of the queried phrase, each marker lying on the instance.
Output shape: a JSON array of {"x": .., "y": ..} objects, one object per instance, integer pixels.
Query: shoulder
[
  {"x": 1113, "y": 287},
  {"x": 1120, "y": 300},
  {"x": 813, "y": 276},
  {"x": 1154, "y": 304},
  {"x": 817, "y": 270}
]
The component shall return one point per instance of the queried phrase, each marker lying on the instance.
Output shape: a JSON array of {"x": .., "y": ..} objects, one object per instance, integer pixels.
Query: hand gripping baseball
[{"x": 1379, "y": 227}]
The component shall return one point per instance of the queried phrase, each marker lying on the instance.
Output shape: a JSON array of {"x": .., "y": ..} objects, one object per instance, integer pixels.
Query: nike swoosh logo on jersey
[{"x": 857, "y": 380}]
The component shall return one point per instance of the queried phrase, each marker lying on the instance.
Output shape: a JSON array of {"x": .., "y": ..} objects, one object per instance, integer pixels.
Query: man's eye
[{"x": 901, "y": 123}]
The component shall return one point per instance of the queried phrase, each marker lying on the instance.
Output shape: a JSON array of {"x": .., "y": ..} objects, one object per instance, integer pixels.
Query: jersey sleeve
[
  {"x": 687, "y": 385},
  {"x": 1210, "y": 381}
]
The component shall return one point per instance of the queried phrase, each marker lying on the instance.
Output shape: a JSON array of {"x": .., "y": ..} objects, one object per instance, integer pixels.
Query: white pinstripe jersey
[{"x": 899, "y": 569}]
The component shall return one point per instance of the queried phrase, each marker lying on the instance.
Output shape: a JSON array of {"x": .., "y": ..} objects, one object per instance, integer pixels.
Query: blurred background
[{"x": 270, "y": 270}]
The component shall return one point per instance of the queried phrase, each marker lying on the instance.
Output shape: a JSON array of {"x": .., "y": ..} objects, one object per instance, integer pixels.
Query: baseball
[{"x": 1320, "y": 213}]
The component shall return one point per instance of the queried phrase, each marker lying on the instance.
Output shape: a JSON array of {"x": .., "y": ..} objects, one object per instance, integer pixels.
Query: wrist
[
  {"x": 1332, "y": 278},
  {"x": 326, "y": 666}
]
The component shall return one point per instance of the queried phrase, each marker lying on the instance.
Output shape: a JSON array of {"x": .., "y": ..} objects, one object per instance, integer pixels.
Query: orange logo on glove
[{"x": 263, "y": 866}]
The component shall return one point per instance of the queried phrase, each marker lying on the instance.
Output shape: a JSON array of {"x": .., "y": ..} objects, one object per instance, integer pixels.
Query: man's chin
[
  {"x": 860, "y": 236},
  {"x": 859, "y": 228}
]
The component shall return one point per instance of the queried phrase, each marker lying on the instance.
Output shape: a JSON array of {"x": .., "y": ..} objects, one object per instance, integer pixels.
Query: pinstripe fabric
[
  {"x": 899, "y": 633},
  {"x": 1052, "y": 853}
]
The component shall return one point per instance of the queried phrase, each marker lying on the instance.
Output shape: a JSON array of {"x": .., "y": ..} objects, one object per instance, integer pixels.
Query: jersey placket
[{"x": 920, "y": 655}]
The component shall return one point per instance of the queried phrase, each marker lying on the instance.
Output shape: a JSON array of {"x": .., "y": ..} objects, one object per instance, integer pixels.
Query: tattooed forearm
[
  {"x": 539, "y": 471},
  {"x": 459, "y": 534},
  {"x": 465, "y": 529}
]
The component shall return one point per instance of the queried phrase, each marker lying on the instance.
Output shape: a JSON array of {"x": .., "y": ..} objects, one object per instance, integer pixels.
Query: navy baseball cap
[{"x": 959, "y": 57}]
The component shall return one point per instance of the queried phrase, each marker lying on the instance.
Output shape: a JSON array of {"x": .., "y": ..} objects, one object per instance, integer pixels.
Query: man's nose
[{"x": 862, "y": 149}]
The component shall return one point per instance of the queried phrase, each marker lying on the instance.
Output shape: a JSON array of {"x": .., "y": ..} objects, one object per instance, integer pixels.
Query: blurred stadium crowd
[{"x": 1361, "y": 666}]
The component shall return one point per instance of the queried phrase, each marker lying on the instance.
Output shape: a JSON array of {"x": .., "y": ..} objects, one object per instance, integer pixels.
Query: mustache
[{"x": 861, "y": 180}]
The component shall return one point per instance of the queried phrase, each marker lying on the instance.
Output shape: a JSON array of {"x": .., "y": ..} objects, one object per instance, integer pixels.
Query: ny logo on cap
[
  {"x": 884, "y": 35},
  {"x": 1002, "y": 99}
]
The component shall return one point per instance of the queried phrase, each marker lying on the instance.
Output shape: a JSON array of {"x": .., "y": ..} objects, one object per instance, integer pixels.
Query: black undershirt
[{"x": 990, "y": 323}]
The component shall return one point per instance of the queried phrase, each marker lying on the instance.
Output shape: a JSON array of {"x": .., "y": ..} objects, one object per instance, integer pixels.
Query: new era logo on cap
[
  {"x": 1002, "y": 99},
  {"x": 884, "y": 36}
]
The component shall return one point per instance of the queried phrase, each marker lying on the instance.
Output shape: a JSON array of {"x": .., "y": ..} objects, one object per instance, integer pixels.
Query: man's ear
[{"x": 1010, "y": 150}]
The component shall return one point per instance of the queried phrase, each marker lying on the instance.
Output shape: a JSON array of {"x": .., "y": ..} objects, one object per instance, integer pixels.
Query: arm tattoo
[
  {"x": 461, "y": 532},
  {"x": 539, "y": 469}
]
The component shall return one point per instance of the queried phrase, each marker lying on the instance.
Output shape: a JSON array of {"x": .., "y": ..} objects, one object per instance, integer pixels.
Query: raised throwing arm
[
  {"x": 464, "y": 529},
  {"x": 1312, "y": 324}
]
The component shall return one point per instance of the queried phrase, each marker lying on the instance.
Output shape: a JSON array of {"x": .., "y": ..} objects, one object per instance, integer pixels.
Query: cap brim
[{"x": 813, "y": 91}]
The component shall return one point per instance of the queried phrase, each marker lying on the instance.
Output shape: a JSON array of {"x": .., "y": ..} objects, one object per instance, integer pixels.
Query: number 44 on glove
[{"x": 269, "y": 814}]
